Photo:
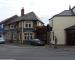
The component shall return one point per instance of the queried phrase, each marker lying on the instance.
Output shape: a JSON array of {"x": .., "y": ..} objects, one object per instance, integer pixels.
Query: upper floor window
[
  {"x": 1, "y": 25},
  {"x": 28, "y": 24},
  {"x": 11, "y": 26}
]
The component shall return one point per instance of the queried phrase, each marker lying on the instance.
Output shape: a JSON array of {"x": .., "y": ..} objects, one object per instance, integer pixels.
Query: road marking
[{"x": 7, "y": 59}]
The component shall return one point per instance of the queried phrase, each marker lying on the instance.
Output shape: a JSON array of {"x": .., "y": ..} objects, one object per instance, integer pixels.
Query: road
[{"x": 35, "y": 53}]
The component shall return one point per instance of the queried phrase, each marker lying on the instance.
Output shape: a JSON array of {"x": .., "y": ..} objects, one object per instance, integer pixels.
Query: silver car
[{"x": 2, "y": 39}]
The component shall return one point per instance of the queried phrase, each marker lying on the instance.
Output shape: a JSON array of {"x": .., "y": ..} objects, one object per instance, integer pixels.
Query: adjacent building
[
  {"x": 63, "y": 27},
  {"x": 21, "y": 28},
  {"x": 1, "y": 31}
]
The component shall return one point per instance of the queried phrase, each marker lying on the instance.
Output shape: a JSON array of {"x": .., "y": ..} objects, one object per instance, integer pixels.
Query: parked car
[
  {"x": 2, "y": 39},
  {"x": 36, "y": 42}
]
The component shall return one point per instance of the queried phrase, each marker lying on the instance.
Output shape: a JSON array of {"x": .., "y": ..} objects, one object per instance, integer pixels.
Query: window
[
  {"x": 28, "y": 24},
  {"x": 11, "y": 26},
  {"x": 1, "y": 25},
  {"x": 25, "y": 38},
  {"x": 28, "y": 35},
  {"x": 0, "y": 36},
  {"x": 31, "y": 37},
  {"x": 25, "y": 34}
]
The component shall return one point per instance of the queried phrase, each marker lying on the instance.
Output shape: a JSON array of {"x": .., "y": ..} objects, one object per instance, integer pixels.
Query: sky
[{"x": 44, "y": 9}]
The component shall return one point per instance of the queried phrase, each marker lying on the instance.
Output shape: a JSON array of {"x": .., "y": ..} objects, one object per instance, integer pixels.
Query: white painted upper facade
[{"x": 59, "y": 23}]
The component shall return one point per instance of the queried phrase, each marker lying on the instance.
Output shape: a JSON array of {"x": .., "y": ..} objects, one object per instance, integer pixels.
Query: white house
[{"x": 60, "y": 23}]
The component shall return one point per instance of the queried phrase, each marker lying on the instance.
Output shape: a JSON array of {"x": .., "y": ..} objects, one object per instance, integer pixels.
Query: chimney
[
  {"x": 22, "y": 11},
  {"x": 69, "y": 7}
]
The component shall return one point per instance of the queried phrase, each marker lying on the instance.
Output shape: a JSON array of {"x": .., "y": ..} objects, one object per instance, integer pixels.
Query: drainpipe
[
  {"x": 52, "y": 31},
  {"x": 52, "y": 38},
  {"x": 22, "y": 33}
]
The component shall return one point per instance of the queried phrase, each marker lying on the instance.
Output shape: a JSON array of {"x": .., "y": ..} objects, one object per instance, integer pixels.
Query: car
[
  {"x": 2, "y": 39},
  {"x": 36, "y": 42}
]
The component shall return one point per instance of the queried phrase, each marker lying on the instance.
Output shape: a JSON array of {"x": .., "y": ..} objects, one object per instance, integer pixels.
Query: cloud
[{"x": 45, "y": 9}]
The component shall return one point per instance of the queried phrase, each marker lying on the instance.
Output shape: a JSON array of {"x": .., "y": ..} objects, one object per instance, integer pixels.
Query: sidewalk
[{"x": 64, "y": 48}]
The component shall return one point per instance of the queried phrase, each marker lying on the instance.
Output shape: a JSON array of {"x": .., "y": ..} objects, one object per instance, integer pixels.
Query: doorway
[{"x": 70, "y": 37}]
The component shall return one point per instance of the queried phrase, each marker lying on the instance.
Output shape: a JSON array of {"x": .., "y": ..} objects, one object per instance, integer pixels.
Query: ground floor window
[
  {"x": 28, "y": 35},
  {"x": 0, "y": 36},
  {"x": 14, "y": 35}
]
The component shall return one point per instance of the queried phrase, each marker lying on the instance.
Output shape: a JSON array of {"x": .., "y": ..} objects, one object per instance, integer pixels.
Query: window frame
[
  {"x": 28, "y": 35},
  {"x": 28, "y": 24}
]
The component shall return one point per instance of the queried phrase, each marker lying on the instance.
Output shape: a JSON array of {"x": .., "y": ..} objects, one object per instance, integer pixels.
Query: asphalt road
[{"x": 13, "y": 52}]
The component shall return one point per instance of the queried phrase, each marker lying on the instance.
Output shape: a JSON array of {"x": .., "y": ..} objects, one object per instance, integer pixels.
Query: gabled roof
[
  {"x": 8, "y": 19},
  {"x": 29, "y": 16},
  {"x": 66, "y": 13},
  {"x": 69, "y": 12}
]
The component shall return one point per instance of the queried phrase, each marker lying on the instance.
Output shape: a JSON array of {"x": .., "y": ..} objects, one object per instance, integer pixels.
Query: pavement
[{"x": 28, "y": 52}]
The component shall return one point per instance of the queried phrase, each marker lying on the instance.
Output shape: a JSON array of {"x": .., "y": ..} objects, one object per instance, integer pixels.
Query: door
[{"x": 70, "y": 37}]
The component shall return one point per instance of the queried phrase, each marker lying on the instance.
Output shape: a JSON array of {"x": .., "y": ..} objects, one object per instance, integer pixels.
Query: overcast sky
[{"x": 44, "y": 9}]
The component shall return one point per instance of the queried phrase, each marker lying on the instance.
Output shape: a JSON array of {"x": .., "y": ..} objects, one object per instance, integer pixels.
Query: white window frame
[
  {"x": 11, "y": 26},
  {"x": 28, "y": 23},
  {"x": 28, "y": 35}
]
